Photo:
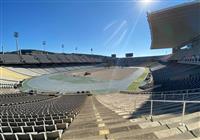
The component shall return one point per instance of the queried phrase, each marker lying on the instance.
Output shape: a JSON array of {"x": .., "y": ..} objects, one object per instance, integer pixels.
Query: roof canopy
[{"x": 176, "y": 26}]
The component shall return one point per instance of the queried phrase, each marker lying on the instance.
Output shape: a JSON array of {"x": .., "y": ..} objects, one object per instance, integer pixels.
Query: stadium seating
[
  {"x": 37, "y": 116},
  {"x": 51, "y": 58},
  {"x": 54, "y": 58},
  {"x": 138, "y": 61},
  {"x": 174, "y": 76},
  {"x": 42, "y": 58},
  {"x": 22, "y": 70},
  {"x": 189, "y": 55},
  {"x": 7, "y": 83},
  {"x": 11, "y": 75},
  {"x": 62, "y": 58},
  {"x": 29, "y": 59},
  {"x": 11, "y": 59},
  {"x": 167, "y": 122}
]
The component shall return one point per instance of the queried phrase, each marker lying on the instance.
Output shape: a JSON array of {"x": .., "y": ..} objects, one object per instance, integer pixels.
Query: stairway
[{"x": 97, "y": 122}]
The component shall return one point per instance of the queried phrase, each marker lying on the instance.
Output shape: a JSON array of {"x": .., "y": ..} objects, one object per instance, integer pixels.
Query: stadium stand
[
  {"x": 188, "y": 55},
  {"x": 11, "y": 59},
  {"x": 5, "y": 84},
  {"x": 167, "y": 109},
  {"x": 48, "y": 58},
  {"x": 42, "y": 58},
  {"x": 29, "y": 59},
  {"x": 11, "y": 75},
  {"x": 176, "y": 76},
  {"x": 139, "y": 61},
  {"x": 165, "y": 122},
  {"x": 62, "y": 58},
  {"x": 53, "y": 58},
  {"x": 23, "y": 71},
  {"x": 37, "y": 116}
]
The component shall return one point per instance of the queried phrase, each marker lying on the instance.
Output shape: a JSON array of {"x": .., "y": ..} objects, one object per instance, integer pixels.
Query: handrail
[
  {"x": 174, "y": 101},
  {"x": 184, "y": 102},
  {"x": 193, "y": 93},
  {"x": 162, "y": 92}
]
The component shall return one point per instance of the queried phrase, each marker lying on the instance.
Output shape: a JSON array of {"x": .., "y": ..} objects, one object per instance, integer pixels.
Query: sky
[{"x": 106, "y": 26}]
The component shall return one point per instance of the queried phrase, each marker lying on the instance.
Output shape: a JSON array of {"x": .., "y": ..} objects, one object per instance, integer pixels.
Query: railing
[
  {"x": 173, "y": 95},
  {"x": 172, "y": 101},
  {"x": 190, "y": 62},
  {"x": 164, "y": 92}
]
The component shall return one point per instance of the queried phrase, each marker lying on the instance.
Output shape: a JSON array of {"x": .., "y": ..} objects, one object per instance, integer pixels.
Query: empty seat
[
  {"x": 23, "y": 137},
  {"x": 47, "y": 118},
  {"x": 6, "y": 129},
  {"x": 11, "y": 120},
  {"x": 39, "y": 122},
  {"x": 40, "y": 119},
  {"x": 34, "y": 116},
  {"x": 4, "y": 120},
  {"x": 39, "y": 129},
  {"x": 68, "y": 120},
  {"x": 9, "y": 136},
  {"x": 21, "y": 124},
  {"x": 30, "y": 123},
  {"x": 13, "y": 124},
  {"x": 16, "y": 129},
  {"x": 50, "y": 127},
  {"x": 27, "y": 129},
  {"x": 55, "y": 117},
  {"x": 18, "y": 120},
  {"x": 4, "y": 124},
  {"x": 32, "y": 119},
  {"x": 54, "y": 135},
  {"x": 49, "y": 122},
  {"x": 61, "y": 126},
  {"x": 25, "y": 120},
  {"x": 57, "y": 121},
  {"x": 71, "y": 116},
  {"x": 39, "y": 136}
]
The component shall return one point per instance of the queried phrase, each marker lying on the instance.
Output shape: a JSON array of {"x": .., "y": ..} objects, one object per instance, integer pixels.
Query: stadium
[{"x": 47, "y": 95}]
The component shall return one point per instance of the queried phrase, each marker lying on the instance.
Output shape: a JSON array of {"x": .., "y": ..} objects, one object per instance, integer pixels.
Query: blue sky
[{"x": 107, "y": 26}]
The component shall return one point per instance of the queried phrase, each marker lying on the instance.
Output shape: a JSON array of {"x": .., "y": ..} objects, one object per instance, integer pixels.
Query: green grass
[{"x": 134, "y": 86}]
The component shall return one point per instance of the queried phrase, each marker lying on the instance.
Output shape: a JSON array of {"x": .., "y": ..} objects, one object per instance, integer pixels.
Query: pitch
[{"x": 95, "y": 80}]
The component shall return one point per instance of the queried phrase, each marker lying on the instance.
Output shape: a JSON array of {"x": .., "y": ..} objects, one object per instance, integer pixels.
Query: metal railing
[
  {"x": 164, "y": 92},
  {"x": 184, "y": 94},
  {"x": 184, "y": 102}
]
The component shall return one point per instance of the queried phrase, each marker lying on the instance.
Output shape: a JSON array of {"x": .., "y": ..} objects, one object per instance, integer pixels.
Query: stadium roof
[{"x": 176, "y": 26}]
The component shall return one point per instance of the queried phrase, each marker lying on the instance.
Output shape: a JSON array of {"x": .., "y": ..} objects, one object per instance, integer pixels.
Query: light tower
[
  {"x": 91, "y": 50},
  {"x": 2, "y": 49},
  {"x": 16, "y": 35},
  {"x": 63, "y": 46},
  {"x": 76, "y": 49},
  {"x": 44, "y": 45}
]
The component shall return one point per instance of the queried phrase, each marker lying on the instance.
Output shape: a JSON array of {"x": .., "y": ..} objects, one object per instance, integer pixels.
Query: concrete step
[
  {"x": 182, "y": 136},
  {"x": 84, "y": 125},
  {"x": 136, "y": 132},
  {"x": 87, "y": 138},
  {"x": 93, "y": 124}
]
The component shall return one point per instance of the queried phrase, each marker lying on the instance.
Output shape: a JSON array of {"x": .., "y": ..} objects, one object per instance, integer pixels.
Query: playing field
[{"x": 96, "y": 80}]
